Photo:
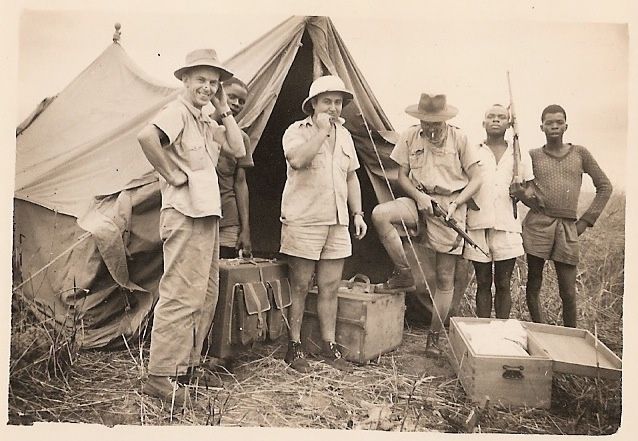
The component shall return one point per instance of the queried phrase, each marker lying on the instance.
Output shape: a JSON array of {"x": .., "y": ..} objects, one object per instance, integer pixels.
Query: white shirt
[
  {"x": 493, "y": 197},
  {"x": 318, "y": 193}
]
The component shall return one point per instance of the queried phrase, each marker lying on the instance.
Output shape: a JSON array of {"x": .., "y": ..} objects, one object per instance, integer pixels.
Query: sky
[{"x": 581, "y": 65}]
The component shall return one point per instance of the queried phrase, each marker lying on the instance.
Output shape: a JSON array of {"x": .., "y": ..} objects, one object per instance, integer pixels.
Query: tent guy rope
[{"x": 80, "y": 239}]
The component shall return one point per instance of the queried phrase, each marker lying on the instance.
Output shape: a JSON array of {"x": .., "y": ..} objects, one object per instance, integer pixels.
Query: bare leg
[
  {"x": 483, "y": 272},
  {"x": 534, "y": 282},
  {"x": 329, "y": 273},
  {"x": 566, "y": 275},
  {"x": 502, "y": 279},
  {"x": 300, "y": 273},
  {"x": 385, "y": 216}
]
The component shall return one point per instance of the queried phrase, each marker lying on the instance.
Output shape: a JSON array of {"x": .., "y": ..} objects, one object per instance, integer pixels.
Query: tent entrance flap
[{"x": 266, "y": 180}]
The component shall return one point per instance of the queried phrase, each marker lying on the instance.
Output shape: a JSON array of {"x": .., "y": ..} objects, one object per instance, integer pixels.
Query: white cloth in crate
[{"x": 504, "y": 338}]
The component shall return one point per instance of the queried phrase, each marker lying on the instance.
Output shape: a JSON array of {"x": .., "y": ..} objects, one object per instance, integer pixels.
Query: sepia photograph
[{"x": 357, "y": 218}]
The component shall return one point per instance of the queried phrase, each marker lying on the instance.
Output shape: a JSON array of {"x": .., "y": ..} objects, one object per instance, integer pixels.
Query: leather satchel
[
  {"x": 280, "y": 300},
  {"x": 250, "y": 305}
]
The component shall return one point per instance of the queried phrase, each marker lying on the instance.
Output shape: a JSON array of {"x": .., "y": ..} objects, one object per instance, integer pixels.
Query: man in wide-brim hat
[
  {"x": 183, "y": 145},
  {"x": 321, "y": 185},
  {"x": 435, "y": 164}
]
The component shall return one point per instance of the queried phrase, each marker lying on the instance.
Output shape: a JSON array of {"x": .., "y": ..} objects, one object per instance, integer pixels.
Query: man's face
[
  {"x": 236, "y": 97},
  {"x": 496, "y": 120},
  {"x": 201, "y": 83},
  {"x": 554, "y": 125},
  {"x": 433, "y": 130},
  {"x": 328, "y": 102}
]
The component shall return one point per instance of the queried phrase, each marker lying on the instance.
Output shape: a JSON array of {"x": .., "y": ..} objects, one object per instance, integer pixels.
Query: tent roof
[{"x": 74, "y": 149}]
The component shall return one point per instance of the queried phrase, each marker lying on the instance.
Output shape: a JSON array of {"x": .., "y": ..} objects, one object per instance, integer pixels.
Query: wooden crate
[
  {"x": 518, "y": 381},
  {"x": 527, "y": 381},
  {"x": 368, "y": 324}
]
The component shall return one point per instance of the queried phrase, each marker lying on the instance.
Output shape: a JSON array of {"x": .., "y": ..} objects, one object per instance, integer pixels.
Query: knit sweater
[{"x": 559, "y": 179}]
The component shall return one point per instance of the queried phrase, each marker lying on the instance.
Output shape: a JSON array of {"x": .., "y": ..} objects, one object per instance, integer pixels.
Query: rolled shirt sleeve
[
  {"x": 400, "y": 153},
  {"x": 468, "y": 153},
  {"x": 170, "y": 120}
]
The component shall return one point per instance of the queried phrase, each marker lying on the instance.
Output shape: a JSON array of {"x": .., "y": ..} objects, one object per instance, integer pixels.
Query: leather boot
[
  {"x": 296, "y": 358},
  {"x": 432, "y": 349},
  {"x": 401, "y": 280}
]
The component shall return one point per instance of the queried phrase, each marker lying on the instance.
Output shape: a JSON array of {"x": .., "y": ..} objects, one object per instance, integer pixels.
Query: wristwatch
[
  {"x": 360, "y": 213},
  {"x": 225, "y": 114}
]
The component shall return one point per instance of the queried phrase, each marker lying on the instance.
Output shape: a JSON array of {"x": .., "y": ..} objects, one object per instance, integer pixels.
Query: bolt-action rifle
[
  {"x": 517, "y": 179},
  {"x": 451, "y": 223}
]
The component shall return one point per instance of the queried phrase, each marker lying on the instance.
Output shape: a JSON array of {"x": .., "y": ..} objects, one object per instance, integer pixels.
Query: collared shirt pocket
[
  {"x": 416, "y": 158},
  {"x": 197, "y": 156},
  {"x": 319, "y": 160},
  {"x": 194, "y": 150},
  {"x": 445, "y": 158}
]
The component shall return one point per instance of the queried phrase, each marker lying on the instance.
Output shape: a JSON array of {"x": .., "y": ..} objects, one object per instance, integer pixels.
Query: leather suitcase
[
  {"x": 368, "y": 324},
  {"x": 248, "y": 289}
]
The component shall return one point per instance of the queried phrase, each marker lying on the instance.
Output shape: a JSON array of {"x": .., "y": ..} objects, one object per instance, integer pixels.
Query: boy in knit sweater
[{"x": 551, "y": 231}]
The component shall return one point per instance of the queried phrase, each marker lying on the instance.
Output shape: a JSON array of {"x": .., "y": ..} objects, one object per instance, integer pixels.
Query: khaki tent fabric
[{"x": 79, "y": 169}]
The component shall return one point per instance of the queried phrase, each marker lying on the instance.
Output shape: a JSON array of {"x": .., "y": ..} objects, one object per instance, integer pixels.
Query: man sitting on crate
[
  {"x": 321, "y": 184},
  {"x": 183, "y": 145},
  {"x": 437, "y": 169}
]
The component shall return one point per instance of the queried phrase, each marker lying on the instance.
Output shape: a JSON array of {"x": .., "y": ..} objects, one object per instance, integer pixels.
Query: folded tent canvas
[{"x": 86, "y": 205}]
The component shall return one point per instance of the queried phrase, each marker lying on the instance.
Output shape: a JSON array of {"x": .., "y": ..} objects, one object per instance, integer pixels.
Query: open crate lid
[{"x": 575, "y": 351}]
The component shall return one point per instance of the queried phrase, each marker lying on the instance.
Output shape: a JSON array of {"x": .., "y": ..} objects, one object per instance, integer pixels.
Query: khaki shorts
[
  {"x": 500, "y": 245},
  {"x": 228, "y": 236},
  {"x": 550, "y": 238},
  {"x": 316, "y": 242},
  {"x": 437, "y": 235}
]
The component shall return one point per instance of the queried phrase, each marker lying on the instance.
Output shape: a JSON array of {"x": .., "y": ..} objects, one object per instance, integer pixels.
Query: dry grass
[{"x": 50, "y": 380}]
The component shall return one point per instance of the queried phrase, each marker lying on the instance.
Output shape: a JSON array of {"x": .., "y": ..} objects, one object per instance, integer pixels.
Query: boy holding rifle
[
  {"x": 551, "y": 231},
  {"x": 496, "y": 227},
  {"x": 437, "y": 169}
]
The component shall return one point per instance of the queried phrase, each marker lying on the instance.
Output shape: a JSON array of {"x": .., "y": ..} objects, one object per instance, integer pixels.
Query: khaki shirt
[
  {"x": 192, "y": 149},
  {"x": 318, "y": 194},
  {"x": 440, "y": 170},
  {"x": 493, "y": 197}
]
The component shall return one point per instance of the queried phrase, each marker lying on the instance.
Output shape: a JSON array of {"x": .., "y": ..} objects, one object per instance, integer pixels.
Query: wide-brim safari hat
[
  {"x": 432, "y": 108},
  {"x": 203, "y": 57},
  {"x": 328, "y": 83}
]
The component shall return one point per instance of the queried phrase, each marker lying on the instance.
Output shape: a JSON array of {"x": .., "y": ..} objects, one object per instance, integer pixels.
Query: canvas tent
[{"x": 87, "y": 201}]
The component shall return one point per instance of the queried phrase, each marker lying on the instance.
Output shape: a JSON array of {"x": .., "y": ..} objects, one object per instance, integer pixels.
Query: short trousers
[
  {"x": 228, "y": 236},
  {"x": 437, "y": 235},
  {"x": 316, "y": 242},
  {"x": 550, "y": 238},
  {"x": 500, "y": 245}
]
